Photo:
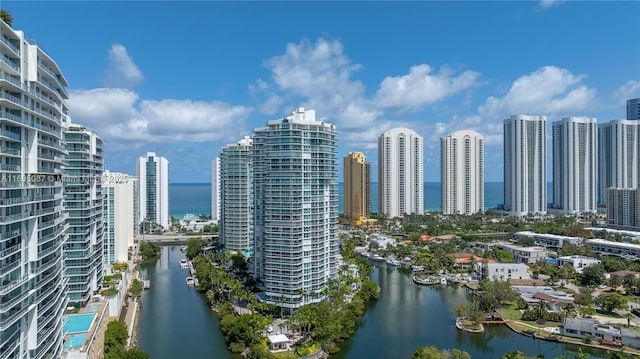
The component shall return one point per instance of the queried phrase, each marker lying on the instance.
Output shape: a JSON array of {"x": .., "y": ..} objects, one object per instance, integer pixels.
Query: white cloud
[
  {"x": 550, "y": 90},
  {"x": 122, "y": 71},
  {"x": 120, "y": 117},
  {"x": 421, "y": 87},
  {"x": 320, "y": 75},
  {"x": 546, "y": 4},
  {"x": 629, "y": 90}
]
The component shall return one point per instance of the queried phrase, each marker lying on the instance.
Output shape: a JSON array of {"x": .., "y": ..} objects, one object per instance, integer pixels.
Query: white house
[
  {"x": 578, "y": 262},
  {"x": 503, "y": 271}
]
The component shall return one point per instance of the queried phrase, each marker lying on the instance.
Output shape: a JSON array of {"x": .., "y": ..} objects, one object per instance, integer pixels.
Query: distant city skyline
[{"x": 144, "y": 86}]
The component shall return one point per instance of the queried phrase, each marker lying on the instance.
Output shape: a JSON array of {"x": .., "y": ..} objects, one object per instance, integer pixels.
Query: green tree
[
  {"x": 611, "y": 301},
  {"x": 148, "y": 250},
  {"x": 135, "y": 353},
  {"x": 136, "y": 288},
  {"x": 584, "y": 297},
  {"x": 615, "y": 281},
  {"x": 120, "y": 266},
  {"x": 193, "y": 247},
  {"x": 514, "y": 354},
  {"x": 115, "y": 336},
  {"x": 569, "y": 311},
  {"x": 6, "y": 17},
  {"x": 435, "y": 353},
  {"x": 592, "y": 275}
]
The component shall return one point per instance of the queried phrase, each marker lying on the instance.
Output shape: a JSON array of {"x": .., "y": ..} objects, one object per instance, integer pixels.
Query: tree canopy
[{"x": 6, "y": 17}]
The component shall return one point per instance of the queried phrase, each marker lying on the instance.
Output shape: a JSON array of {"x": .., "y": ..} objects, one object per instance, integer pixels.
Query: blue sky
[{"x": 183, "y": 79}]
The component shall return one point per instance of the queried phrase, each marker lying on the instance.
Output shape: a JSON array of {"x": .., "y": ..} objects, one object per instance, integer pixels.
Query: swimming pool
[
  {"x": 75, "y": 341},
  {"x": 78, "y": 323},
  {"x": 92, "y": 307}
]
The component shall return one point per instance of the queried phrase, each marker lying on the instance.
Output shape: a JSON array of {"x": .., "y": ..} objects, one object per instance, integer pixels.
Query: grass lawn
[
  {"x": 286, "y": 355},
  {"x": 513, "y": 314}
]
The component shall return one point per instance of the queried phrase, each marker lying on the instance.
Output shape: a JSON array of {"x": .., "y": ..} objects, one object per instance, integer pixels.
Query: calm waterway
[{"x": 176, "y": 322}]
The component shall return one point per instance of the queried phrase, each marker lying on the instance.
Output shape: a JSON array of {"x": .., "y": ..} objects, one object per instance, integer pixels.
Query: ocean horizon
[{"x": 195, "y": 198}]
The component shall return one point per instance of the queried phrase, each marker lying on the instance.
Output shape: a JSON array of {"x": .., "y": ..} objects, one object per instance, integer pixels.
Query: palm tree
[
  {"x": 569, "y": 311},
  {"x": 6, "y": 17},
  {"x": 542, "y": 308}
]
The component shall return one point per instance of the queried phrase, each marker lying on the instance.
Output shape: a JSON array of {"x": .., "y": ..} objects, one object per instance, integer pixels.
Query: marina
[{"x": 394, "y": 327}]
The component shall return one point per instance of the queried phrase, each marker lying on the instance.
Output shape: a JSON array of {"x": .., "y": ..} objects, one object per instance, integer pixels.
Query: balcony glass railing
[
  {"x": 10, "y": 45},
  {"x": 10, "y": 62}
]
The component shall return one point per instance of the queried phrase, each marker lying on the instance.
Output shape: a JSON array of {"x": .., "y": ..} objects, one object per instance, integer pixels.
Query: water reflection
[{"x": 408, "y": 316}]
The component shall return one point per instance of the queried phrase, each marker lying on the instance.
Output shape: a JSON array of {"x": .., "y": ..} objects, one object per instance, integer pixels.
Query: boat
[
  {"x": 430, "y": 280},
  {"x": 190, "y": 281},
  {"x": 376, "y": 257},
  {"x": 443, "y": 280},
  {"x": 393, "y": 262},
  {"x": 184, "y": 264},
  {"x": 417, "y": 268},
  {"x": 183, "y": 248}
]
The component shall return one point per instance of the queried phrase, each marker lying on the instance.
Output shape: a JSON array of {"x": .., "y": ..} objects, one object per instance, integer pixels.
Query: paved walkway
[{"x": 130, "y": 321}]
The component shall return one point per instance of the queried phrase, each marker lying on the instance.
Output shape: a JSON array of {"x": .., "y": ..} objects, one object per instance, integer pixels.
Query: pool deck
[{"x": 94, "y": 324}]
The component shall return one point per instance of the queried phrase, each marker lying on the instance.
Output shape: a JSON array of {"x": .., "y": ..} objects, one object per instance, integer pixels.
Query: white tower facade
[
  {"x": 215, "y": 189},
  {"x": 119, "y": 213},
  {"x": 83, "y": 202},
  {"x": 575, "y": 143},
  {"x": 618, "y": 156},
  {"x": 525, "y": 165},
  {"x": 32, "y": 222},
  {"x": 153, "y": 194},
  {"x": 462, "y": 172},
  {"x": 296, "y": 209},
  {"x": 236, "y": 191},
  {"x": 400, "y": 173}
]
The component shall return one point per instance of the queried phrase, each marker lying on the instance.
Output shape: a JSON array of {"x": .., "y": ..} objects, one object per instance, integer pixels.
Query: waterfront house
[
  {"x": 502, "y": 271},
  {"x": 278, "y": 342},
  {"x": 605, "y": 333},
  {"x": 520, "y": 254},
  {"x": 532, "y": 295},
  {"x": 577, "y": 262},
  {"x": 465, "y": 260}
]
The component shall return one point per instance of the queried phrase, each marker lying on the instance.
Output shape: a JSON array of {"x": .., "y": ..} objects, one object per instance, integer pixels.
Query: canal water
[{"x": 176, "y": 322}]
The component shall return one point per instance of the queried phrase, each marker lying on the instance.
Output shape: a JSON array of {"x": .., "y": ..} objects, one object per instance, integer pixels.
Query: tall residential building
[
  {"x": 357, "y": 186},
  {"x": 83, "y": 203},
  {"x": 633, "y": 109},
  {"x": 525, "y": 165},
  {"x": 618, "y": 156},
  {"x": 32, "y": 222},
  {"x": 400, "y": 174},
  {"x": 236, "y": 192},
  {"x": 215, "y": 189},
  {"x": 623, "y": 208},
  {"x": 296, "y": 209},
  {"x": 119, "y": 213},
  {"x": 575, "y": 143},
  {"x": 153, "y": 190},
  {"x": 462, "y": 172}
]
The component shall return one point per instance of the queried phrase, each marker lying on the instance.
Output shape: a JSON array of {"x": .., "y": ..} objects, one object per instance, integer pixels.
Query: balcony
[
  {"x": 10, "y": 135},
  {"x": 6, "y": 288},
  {"x": 10, "y": 45},
  {"x": 10, "y": 64}
]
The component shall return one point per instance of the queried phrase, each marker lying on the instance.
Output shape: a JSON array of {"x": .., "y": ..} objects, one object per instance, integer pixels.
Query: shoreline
[{"x": 561, "y": 339}]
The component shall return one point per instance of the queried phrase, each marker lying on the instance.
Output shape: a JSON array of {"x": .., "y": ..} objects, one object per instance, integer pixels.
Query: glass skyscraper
[
  {"x": 296, "y": 209},
  {"x": 32, "y": 223}
]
